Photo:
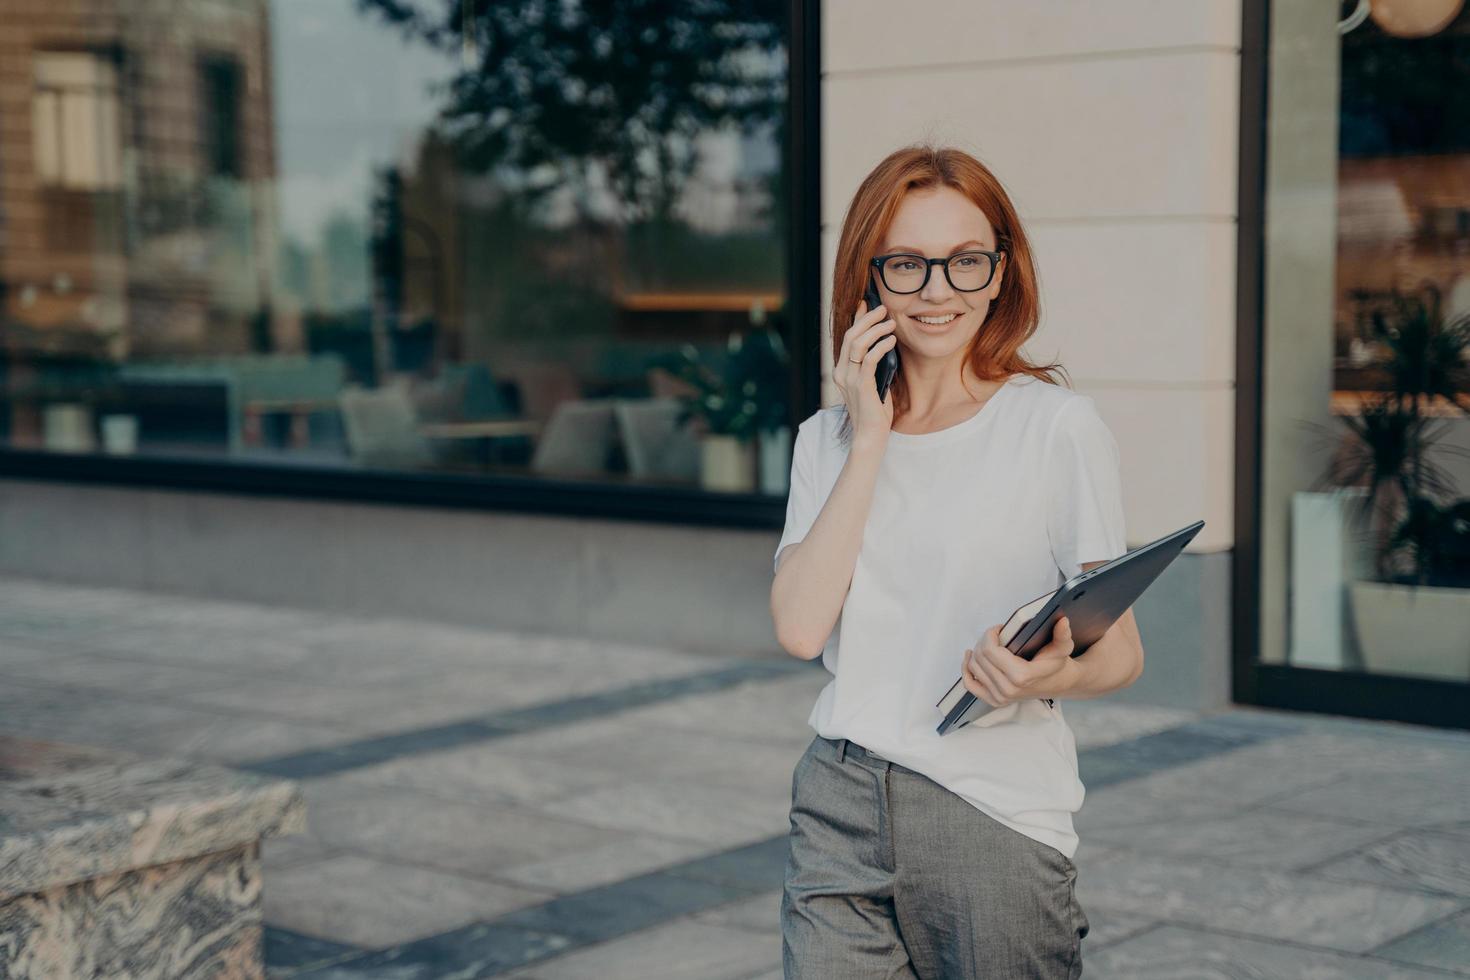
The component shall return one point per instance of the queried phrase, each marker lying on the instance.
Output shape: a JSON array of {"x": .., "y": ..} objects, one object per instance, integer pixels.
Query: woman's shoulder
[
  {"x": 824, "y": 421},
  {"x": 1051, "y": 399},
  {"x": 829, "y": 412},
  {"x": 823, "y": 428}
]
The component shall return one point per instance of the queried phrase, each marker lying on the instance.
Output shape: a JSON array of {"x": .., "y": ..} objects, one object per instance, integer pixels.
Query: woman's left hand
[{"x": 997, "y": 676}]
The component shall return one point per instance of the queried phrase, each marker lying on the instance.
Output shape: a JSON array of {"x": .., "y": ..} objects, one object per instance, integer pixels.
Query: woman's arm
[
  {"x": 814, "y": 574},
  {"x": 997, "y": 676}
]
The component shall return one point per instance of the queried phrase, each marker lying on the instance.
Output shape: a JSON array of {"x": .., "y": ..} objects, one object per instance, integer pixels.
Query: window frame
[{"x": 1354, "y": 693}]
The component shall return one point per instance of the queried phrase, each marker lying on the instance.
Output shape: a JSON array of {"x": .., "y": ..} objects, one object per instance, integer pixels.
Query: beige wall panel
[
  {"x": 864, "y": 34},
  {"x": 1148, "y": 136},
  {"x": 1146, "y": 302},
  {"x": 1178, "y": 447}
]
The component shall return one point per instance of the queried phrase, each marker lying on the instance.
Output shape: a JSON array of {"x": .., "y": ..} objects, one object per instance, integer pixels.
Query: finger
[
  {"x": 870, "y": 360},
  {"x": 863, "y": 318},
  {"x": 998, "y": 671},
  {"x": 849, "y": 369},
  {"x": 863, "y": 343},
  {"x": 990, "y": 645},
  {"x": 861, "y": 359},
  {"x": 867, "y": 313},
  {"x": 973, "y": 683},
  {"x": 1000, "y": 685},
  {"x": 845, "y": 346},
  {"x": 1061, "y": 638},
  {"x": 879, "y": 327},
  {"x": 850, "y": 335},
  {"x": 999, "y": 656}
]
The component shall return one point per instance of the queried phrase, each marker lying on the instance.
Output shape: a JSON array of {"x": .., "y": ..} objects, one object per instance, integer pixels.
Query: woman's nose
[{"x": 937, "y": 288}]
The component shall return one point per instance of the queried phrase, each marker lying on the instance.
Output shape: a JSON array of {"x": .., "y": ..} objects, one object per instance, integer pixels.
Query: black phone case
[{"x": 888, "y": 366}]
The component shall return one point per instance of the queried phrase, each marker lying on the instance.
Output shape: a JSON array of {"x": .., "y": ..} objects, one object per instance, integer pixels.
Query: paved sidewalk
[{"x": 486, "y": 803}]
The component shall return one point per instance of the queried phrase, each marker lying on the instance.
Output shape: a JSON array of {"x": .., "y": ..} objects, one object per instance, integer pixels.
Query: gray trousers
[{"x": 890, "y": 875}]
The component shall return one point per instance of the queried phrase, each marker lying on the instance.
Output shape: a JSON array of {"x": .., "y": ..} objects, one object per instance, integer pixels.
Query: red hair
[{"x": 994, "y": 352}]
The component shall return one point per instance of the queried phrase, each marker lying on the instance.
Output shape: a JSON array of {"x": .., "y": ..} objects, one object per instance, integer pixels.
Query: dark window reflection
[
  {"x": 1403, "y": 191},
  {"x": 219, "y": 114},
  {"x": 525, "y": 238}
]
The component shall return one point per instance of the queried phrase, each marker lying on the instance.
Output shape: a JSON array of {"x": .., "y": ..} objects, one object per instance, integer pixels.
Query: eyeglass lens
[{"x": 967, "y": 270}]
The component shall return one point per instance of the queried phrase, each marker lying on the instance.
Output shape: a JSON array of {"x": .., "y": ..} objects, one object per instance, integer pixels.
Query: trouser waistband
[{"x": 847, "y": 748}]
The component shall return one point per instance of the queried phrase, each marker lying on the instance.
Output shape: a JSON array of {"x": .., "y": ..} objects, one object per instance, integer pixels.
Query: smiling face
[{"x": 937, "y": 222}]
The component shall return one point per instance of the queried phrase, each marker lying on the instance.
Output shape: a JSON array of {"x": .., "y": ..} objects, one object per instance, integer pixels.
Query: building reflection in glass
[{"x": 368, "y": 234}]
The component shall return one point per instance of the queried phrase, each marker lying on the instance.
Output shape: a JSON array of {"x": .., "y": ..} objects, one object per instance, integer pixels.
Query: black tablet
[{"x": 1092, "y": 601}]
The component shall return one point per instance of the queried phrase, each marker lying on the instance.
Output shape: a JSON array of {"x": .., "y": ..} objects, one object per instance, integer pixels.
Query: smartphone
[{"x": 888, "y": 366}]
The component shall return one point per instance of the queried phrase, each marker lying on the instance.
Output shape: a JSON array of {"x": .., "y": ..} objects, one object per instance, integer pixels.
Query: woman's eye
[{"x": 965, "y": 259}]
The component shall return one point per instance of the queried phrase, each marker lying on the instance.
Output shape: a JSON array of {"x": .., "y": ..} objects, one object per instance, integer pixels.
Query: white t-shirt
[{"x": 966, "y": 524}]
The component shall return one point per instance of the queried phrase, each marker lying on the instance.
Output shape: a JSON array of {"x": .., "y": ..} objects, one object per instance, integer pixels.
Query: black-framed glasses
[{"x": 908, "y": 272}]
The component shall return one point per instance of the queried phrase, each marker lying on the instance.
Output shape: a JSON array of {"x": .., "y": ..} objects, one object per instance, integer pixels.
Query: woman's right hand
[{"x": 855, "y": 375}]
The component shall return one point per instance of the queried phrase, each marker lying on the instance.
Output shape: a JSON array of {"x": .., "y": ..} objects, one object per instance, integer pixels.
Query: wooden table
[
  {"x": 487, "y": 429},
  {"x": 486, "y": 432}
]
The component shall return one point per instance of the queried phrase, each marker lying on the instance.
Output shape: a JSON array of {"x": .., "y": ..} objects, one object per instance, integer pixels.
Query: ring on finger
[{"x": 856, "y": 360}]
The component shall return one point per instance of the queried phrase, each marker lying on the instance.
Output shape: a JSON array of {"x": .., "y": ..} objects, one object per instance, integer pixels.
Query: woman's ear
[{"x": 1000, "y": 269}]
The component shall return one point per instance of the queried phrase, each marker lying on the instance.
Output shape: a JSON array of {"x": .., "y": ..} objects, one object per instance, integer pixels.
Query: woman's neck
[{"x": 938, "y": 404}]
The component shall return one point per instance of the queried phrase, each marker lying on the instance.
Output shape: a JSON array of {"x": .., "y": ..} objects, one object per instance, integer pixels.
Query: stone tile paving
[{"x": 485, "y": 803}]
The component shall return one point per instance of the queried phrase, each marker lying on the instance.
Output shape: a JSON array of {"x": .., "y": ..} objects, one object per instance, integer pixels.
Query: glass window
[
  {"x": 74, "y": 121},
  {"x": 532, "y": 239},
  {"x": 1366, "y": 363}
]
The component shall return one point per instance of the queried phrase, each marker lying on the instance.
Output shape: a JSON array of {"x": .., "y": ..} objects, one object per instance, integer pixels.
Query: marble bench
[{"x": 114, "y": 865}]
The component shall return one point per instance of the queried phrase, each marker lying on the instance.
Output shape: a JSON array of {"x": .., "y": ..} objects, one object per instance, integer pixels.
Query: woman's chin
[
  {"x": 934, "y": 342},
  {"x": 935, "y": 329}
]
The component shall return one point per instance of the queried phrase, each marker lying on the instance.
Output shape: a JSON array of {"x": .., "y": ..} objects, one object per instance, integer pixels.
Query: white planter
[
  {"x": 1328, "y": 550},
  {"x": 120, "y": 434},
  {"x": 67, "y": 428},
  {"x": 727, "y": 464},
  {"x": 1422, "y": 630},
  {"x": 775, "y": 461}
]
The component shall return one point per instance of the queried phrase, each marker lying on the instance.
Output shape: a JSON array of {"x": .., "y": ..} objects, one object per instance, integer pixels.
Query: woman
[{"x": 915, "y": 524}]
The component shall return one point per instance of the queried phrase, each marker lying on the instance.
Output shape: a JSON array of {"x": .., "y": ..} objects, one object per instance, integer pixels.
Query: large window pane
[
  {"x": 1367, "y": 339},
  {"x": 478, "y": 238}
]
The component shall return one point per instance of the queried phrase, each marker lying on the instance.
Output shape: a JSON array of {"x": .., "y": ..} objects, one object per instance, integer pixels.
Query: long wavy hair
[{"x": 994, "y": 352}]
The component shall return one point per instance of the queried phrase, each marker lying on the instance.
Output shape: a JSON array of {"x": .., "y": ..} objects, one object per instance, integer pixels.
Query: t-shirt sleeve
[
  {"x": 802, "y": 505},
  {"x": 1084, "y": 488}
]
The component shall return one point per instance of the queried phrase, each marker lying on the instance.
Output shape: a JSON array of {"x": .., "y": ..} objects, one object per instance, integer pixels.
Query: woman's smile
[{"x": 937, "y": 324}]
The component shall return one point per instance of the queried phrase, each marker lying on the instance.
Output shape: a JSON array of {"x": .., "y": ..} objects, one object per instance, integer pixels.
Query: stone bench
[{"x": 112, "y": 865}]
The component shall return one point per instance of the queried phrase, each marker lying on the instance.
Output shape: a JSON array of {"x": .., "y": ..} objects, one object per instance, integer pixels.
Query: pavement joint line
[
  {"x": 285, "y": 948},
  {"x": 1368, "y": 956},
  {"x": 610, "y": 911},
  {"x": 1428, "y": 927},
  {"x": 377, "y": 749}
]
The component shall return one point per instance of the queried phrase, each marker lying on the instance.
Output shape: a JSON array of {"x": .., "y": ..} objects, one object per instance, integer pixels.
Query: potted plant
[
  {"x": 1413, "y": 614},
  {"x": 742, "y": 398}
]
